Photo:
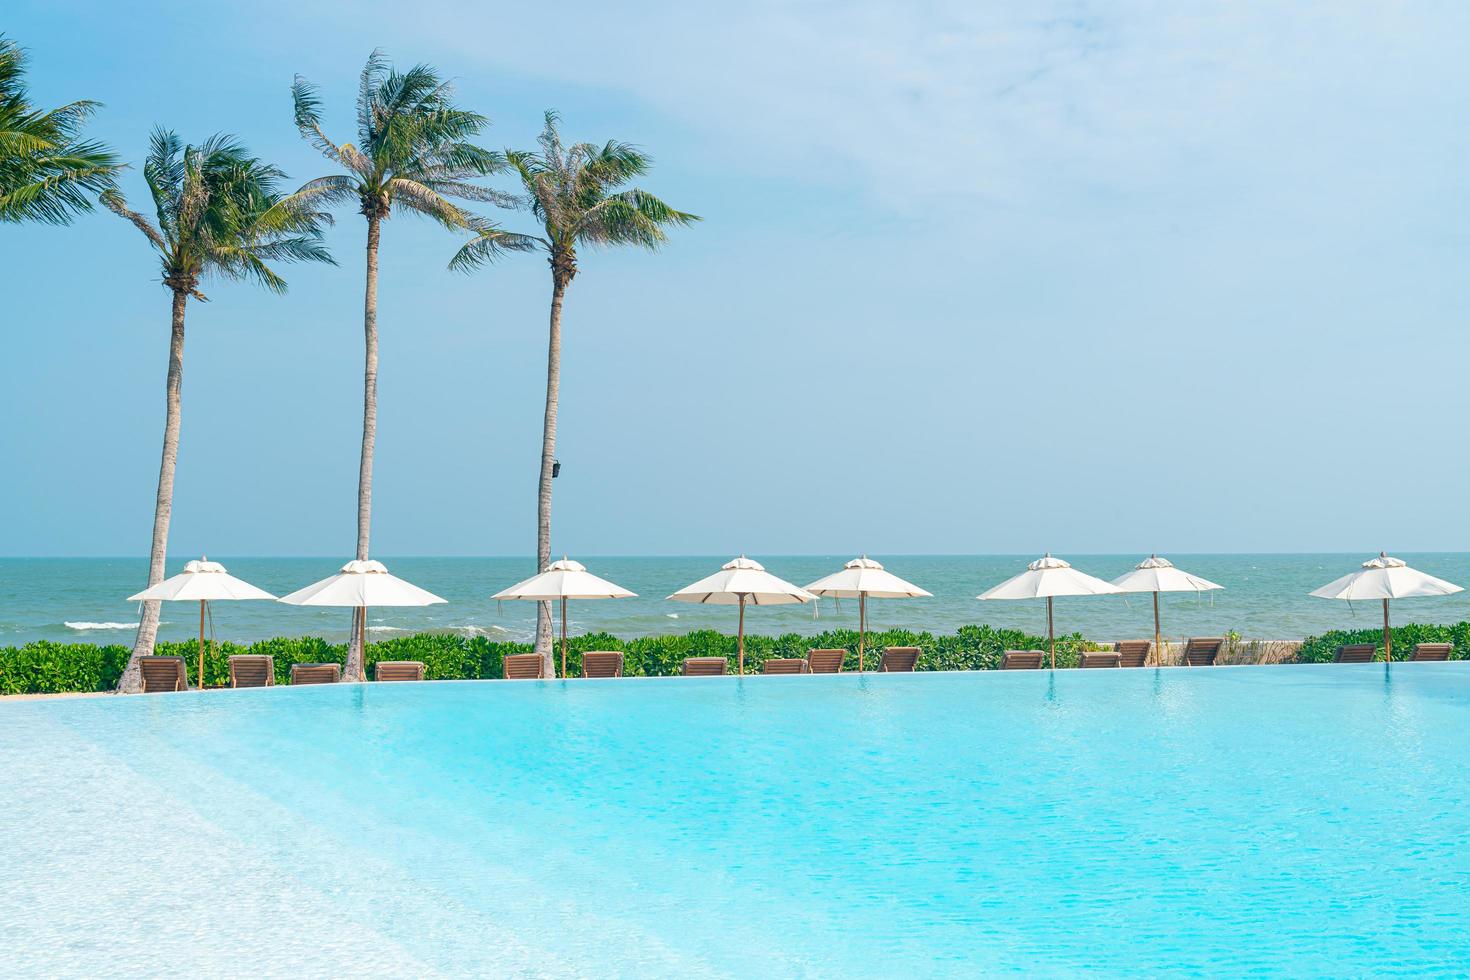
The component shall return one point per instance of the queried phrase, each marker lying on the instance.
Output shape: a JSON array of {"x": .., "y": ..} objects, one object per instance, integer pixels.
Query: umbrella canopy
[
  {"x": 865, "y": 577},
  {"x": 1385, "y": 578},
  {"x": 1155, "y": 574},
  {"x": 362, "y": 583},
  {"x": 862, "y": 579},
  {"x": 738, "y": 582},
  {"x": 201, "y": 581},
  {"x": 565, "y": 579},
  {"x": 1047, "y": 578}
]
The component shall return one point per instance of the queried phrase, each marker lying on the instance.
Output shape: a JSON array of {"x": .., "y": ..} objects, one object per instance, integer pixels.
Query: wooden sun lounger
[
  {"x": 704, "y": 666},
  {"x": 1099, "y": 658},
  {"x": 1431, "y": 651},
  {"x": 1133, "y": 653},
  {"x": 399, "y": 670},
  {"x": 1202, "y": 651},
  {"x": 1355, "y": 653},
  {"x": 789, "y": 665},
  {"x": 163, "y": 674},
  {"x": 252, "y": 670},
  {"x": 825, "y": 661},
  {"x": 899, "y": 660},
  {"x": 602, "y": 663},
  {"x": 523, "y": 667},
  {"x": 316, "y": 673},
  {"x": 1021, "y": 660}
]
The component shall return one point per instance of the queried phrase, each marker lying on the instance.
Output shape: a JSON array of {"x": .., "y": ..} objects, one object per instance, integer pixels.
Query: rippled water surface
[{"x": 1308, "y": 820}]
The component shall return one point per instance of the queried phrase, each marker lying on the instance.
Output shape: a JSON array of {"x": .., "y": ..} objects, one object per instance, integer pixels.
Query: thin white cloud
[{"x": 1027, "y": 104}]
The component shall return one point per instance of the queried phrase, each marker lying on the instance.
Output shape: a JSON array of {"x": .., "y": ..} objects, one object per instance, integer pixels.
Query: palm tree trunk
[
  {"x": 548, "y": 458},
  {"x": 163, "y": 505},
  {"x": 353, "y": 671}
]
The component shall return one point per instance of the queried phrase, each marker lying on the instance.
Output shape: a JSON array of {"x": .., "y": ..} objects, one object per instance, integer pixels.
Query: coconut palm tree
[
  {"x": 48, "y": 173},
  {"x": 578, "y": 195},
  {"x": 412, "y": 152},
  {"x": 217, "y": 213}
]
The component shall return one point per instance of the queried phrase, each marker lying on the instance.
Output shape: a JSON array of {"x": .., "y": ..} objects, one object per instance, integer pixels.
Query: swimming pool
[{"x": 1305, "y": 820}]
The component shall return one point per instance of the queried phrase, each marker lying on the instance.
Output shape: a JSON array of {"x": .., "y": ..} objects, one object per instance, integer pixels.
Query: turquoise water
[
  {"x": 1301, "y": 820},
  {"x": 1265, "y": 597}
]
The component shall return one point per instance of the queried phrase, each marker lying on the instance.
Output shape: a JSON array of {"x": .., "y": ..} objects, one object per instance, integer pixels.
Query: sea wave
[
  {"x": 493, "y": 630},
  {"x": 388, "y": 629},
  {"x": 85, "y": 626}
]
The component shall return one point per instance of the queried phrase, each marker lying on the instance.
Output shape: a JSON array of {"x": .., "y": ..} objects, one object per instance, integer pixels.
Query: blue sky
[{"x": 974, "y": 277}]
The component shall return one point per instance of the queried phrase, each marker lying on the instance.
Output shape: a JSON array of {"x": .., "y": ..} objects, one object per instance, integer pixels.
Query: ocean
[{"x": 1264, "y": 597}]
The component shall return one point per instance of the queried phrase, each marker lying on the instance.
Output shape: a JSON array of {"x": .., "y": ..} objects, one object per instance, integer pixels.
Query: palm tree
[
  {"x": 47, "y": 172},
  {"x": 217, "y": 212},
  {"x": 413, "y": 152},
  {"x": 578, "y": 195}
]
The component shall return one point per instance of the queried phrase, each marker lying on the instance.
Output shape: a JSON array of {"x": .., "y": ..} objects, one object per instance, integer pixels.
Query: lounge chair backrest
[
  {"x": 704, "y": 666},
  {"x": 1021, "y": 660},
  {"x": 1132, "y": 653},
  {"x": 399, "y": 670},
  {"x": 792, "y": 665},
  {"x": 524, "y": 667},
  {"x": 602, "y": 663},
  {"x": 316, "y": 673},
  {"x": 163, "y": 674},
  {"x": 1099, "y": 658},
  {"x": 252, "y": 670},
  {"x": 1431, "y": 651},
  {"x": 825, "y": 661},
  {"x": 1355, "y": 653},
  {"x": 899, "y": 660},
  {"x": 1202, "y": 651}
]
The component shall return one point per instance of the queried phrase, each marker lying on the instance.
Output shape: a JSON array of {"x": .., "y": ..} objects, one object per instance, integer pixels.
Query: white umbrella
[
  {"x": 738, "y": 582},
  {"x": 1046, "y": 578},
  {"x": 201, "y": 581},
  {"x": 1386, "y": 578},
  {"x": 362, "y": 583},
  {"x": 860, "y": 579},
  {"x": 1155, "y": 574},
  {"x": 565, "y": 579}
]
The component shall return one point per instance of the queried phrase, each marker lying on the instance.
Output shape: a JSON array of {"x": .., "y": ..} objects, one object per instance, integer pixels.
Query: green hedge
[
  {"x": 1320, "y": 649},
  {"x": 47, "y": 667}
]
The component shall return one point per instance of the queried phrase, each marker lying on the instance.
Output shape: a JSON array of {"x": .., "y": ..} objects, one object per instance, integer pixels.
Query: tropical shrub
[
  {"x": 1320, "y": 649},
  {"x": 47, "y": 667}
]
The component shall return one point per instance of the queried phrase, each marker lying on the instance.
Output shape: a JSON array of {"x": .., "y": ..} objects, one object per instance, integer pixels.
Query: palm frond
[
  {"x": 326, "y": 191},
  {"x": 579, "y": 194},
  {"x": 421, "y": 200},
  {"x": 491, "y": 242},
  {"x": 373, "y": 72},
  {"x": 114, "y": 201},
  {"x": 307, "y": 109},
  {"x": 413, "y": 144},
  {"x": 221, "y": 214},
  {"x": 48, "y": 173}
]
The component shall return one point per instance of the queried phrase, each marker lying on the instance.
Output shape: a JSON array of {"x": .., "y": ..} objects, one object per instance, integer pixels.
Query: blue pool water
[{"x": 1307, "y": 820}]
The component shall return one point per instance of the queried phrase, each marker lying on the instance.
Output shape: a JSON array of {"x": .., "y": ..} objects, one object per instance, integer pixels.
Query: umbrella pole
[
  {"x": 200, "y": 682},
  {"x": 741, "y": 638},
  {"x": 563, "y": 637},
  {"x": 862, "y": 626},
  {"x": 1051, "y": 634},
  {"x": 1387, "y": 636},
  {"x": 1158, "y": 634}
]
